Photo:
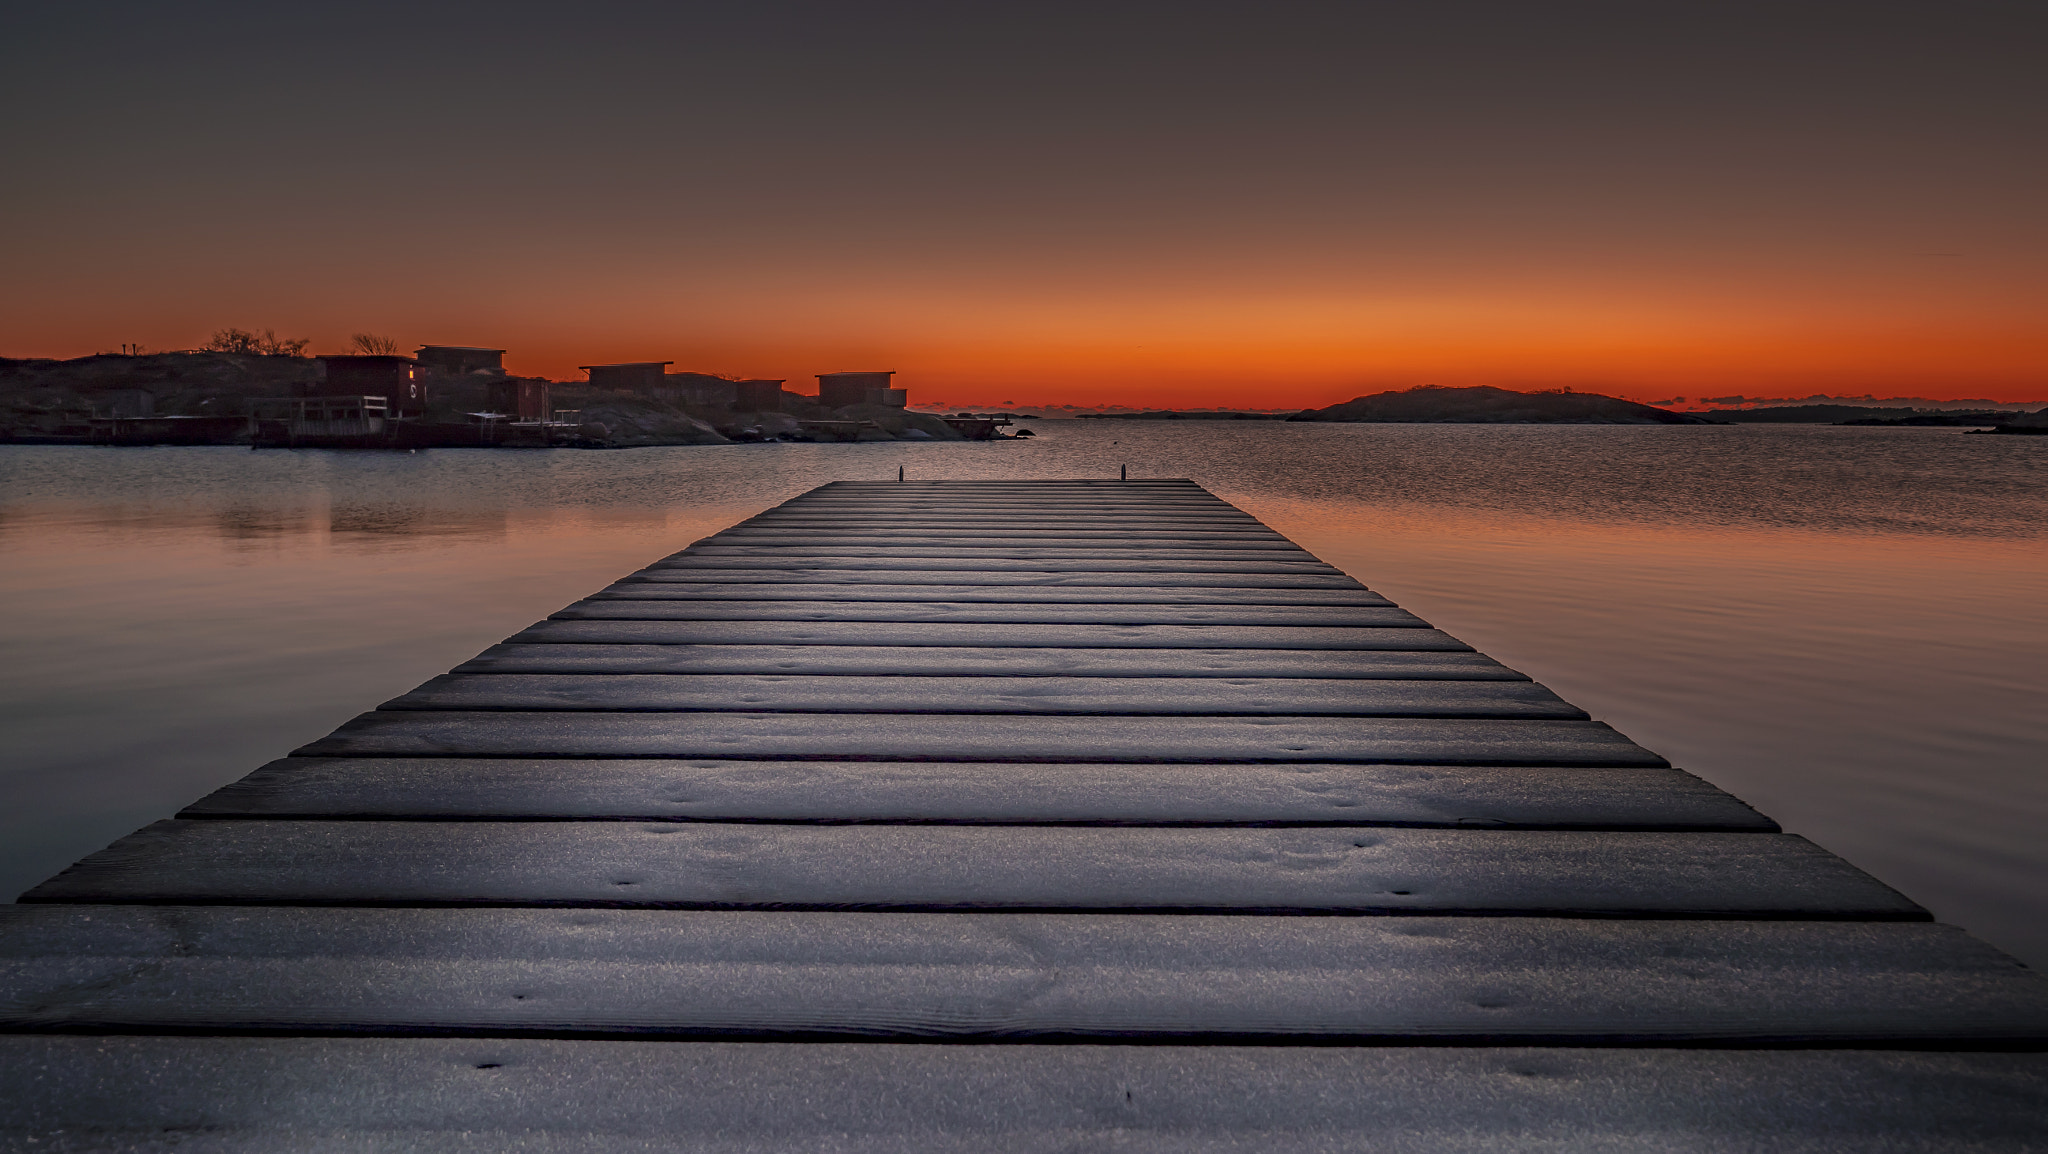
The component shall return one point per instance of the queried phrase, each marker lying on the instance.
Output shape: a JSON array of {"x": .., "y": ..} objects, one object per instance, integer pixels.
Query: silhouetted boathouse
[
  {"x": 351, "y": 422},
  {"x": 394, "y": 378},
  {"x": 520, "y": 398}
]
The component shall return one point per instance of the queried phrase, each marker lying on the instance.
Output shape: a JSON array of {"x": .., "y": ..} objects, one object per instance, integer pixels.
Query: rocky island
[{"x": 1485, "y": 405}]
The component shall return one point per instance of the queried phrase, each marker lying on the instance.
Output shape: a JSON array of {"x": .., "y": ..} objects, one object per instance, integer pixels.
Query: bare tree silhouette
[
  {"x": 250, "y": 344},
  {"x": 370, "y": 344}
]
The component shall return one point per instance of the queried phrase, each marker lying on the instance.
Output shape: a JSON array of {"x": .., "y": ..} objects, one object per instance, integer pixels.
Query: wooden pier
[{"x": 1021, "y": 816}]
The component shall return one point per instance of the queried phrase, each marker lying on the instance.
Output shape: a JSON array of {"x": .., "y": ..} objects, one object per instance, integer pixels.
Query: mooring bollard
[
  {"x": 1123, "y": 472},
  {"x": 899, "y": 472}
]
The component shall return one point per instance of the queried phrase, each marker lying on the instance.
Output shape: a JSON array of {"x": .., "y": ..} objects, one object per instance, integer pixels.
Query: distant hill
[
  {"x": 1186, "y": 415},
  {"x": 1802, "y": 414},
  {"x": 1485, "y": 405}
]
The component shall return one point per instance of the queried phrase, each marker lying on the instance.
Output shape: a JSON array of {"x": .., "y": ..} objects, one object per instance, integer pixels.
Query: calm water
[{"x": 1846, "y": 627}]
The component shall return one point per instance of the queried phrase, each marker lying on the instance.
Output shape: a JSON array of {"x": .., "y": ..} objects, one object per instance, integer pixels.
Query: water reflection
[
  {"x": 1844, "y": 626},
  {"x": 239, "y": 523},
  {"x": 371, "y": 526}
]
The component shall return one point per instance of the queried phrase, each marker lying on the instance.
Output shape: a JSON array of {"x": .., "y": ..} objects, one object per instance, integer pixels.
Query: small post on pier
[
  {"x": 1123, "y": 473},
  {"x": 899, "y": 472}
]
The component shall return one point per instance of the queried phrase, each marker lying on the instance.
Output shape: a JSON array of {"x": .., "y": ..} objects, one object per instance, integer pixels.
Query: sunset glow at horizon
[{"x": 1187, "y": 206}]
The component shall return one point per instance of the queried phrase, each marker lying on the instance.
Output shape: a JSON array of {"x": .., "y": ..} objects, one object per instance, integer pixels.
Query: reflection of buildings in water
[
  {"x": 248, "y": 525},
  {"x": 238, "y": 525},
  {"x": 383, "y": 524}
]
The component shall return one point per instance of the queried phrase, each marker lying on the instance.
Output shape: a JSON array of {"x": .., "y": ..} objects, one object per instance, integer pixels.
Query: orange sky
[{"x": 1176, "y": 204}]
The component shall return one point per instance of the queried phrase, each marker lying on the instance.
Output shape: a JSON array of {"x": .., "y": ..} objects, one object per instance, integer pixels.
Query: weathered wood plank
[
  {"x": 1133, "y": 492},
  {"x": 945, "y": 525},
  {"x": 985, "y": 636},
  {"x": 940, "y": 524},
  {"x": 1004, "y": 535},
  {"x": 956, "y": 737},
  {"x": 1054, "y": 508},
  {"x": 969, "y": 976},
  {"x": 986, "y": 867},
  {"x": 885, "y": 524},
  {"x": 1236, "y": 696},
  {"x": 1018, "y": 582},
  {"x": 968, "y": 511},
  {"x": 1016, "y": 793},
  {"x": 969, "y": 661},
  {"x": 1108, "y": 488},
  {"x": 947, "y": 522},
  {"x": 462, "y": 1094},
  {"x": 1021, "y": 506},
  {"x": 1050, "y": 501},
  {"x": 825, "y": 551},
  {"x": 1173, "y": 488},
  {"x": 991, "y": 613},
  {"x": 641, "y": 589},
  {"x": 1112, "y": 543},
  {"x": 1052, "y": 493},
  {"x": 1304, "y": 568}
]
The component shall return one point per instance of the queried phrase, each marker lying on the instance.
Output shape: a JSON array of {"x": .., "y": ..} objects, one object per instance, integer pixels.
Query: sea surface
[{"x": 1848, "y": 628}]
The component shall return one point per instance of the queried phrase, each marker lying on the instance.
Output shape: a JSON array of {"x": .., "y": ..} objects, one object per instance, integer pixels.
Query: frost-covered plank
[
  {"x": 984, "y": 737},
  {"x": 709, "y": 789},
  {"x": 984, "y": 867},
  {"x": 1214, "y": 696}
]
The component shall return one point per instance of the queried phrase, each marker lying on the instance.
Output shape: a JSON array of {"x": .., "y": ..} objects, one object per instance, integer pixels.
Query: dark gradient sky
[{"x": 1257, "y": 203}]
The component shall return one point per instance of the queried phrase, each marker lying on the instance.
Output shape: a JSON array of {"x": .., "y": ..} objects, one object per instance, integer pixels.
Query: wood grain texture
[
  {"x": 1000, "y": 635},
  {"x": 1210, "y": 696},
  {"x": 947, "y": 523},
  {"x": 1022, "y": 583},
  {"x": 973, "y": 661},
  {"x": 1307, "y": 567},
  {"x": 968, "y": 976},
  {"x": 1013, "y": 793},
  {"x": 1110, "y": 542},
  {"x": 826, "y": 551},
  {"x": 670, "y": 589},
  {"x": 945, "y": 867},
  {"x": 973, "y": 533},
  {"x": 954, "y": 737},
  {"x": 577, "y": 1097},
  {"x": 979, "y": 613},
  {"x": 995, "y": 512}
]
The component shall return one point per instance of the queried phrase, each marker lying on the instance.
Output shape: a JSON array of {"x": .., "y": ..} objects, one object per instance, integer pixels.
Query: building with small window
[{"x": 394, "y": 378}]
